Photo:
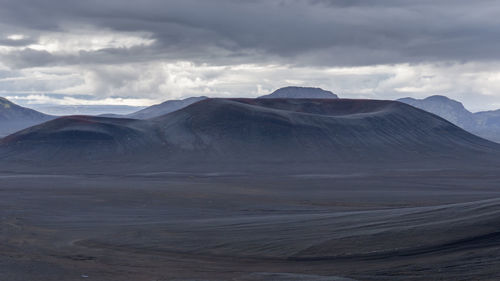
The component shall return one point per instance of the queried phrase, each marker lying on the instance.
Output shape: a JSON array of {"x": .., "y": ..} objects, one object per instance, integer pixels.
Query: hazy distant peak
[
  {"x": 12, "y": 111},
  {"x": 438, "y": 97},
  {"x": 293, "y": 92},
  {"x": 485, "y": 124},
  {"x": 5, "y": 103},
  {"x": 14, "y": 117},
  {"x": 434, "y": 100},
  {"x": 451, "y": 110},
  {"x": 444, "y": 99},
  {"x": 406, "y": 99}
]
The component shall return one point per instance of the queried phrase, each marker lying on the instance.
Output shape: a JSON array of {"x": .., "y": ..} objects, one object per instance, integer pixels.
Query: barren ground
[{"x": 393, "y": 225}]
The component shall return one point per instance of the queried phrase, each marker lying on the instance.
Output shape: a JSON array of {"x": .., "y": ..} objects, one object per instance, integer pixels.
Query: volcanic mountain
[
  {"x": 14, "y": 117},
  {"x": 253, "y": 131},
  {"x": 300, "y": 93}
]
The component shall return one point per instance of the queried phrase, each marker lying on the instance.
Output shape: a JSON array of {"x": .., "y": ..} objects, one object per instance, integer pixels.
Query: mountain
[
  {"x": 445, "y": 107},
  {"x": 309, "y": 130},
  {"x": 80, "y": 137},
  {"x": 14, "y": 117},
  {"x": 158, "y": 109},
  {"x": 488, "y": 124},
  {"x": 245, "y": 133},
  {"x": 488, "y": 119},
  {"x": 484, "y": 124},
  {"x": 300, "y": 93}
]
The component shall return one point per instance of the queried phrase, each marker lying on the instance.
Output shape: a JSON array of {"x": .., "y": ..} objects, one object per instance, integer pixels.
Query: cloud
[
  {"x": 152, "y": 50},
  {"x": 16, "y": 40},
  {"x": 333, "y": 33},
  {"x": 140, "y": 84},
  {"x": 89, "y": 39}
]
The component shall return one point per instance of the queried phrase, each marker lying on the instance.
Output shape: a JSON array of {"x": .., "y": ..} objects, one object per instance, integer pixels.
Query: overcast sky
[{"x": 140, "y": 52}]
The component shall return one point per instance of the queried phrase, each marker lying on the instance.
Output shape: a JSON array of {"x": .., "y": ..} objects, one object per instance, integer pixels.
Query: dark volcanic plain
[{"x": 239, "y": 189}]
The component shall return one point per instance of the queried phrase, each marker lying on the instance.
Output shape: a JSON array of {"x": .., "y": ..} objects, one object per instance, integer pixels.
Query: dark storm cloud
[{"x": 315, "y": 32}]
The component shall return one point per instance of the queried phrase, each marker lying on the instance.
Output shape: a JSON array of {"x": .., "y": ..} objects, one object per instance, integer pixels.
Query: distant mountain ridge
[
  {"x": 14, "y": 117},
  {"x": 293, "y": 92},
  {"x": 249, "y": 132},
  {"x": 485, "y": 124}
]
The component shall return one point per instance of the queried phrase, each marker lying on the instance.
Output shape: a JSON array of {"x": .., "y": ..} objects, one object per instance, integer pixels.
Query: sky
[{"x": 137, "y": 53}]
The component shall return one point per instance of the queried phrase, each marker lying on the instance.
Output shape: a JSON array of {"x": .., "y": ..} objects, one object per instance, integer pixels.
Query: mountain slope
[
  {"x": 300, "y": 93},
  {"x": 80, "y": 138},
  {"x": 158, "y": 109},
  {"x": 445, "y": 107},
  {"x": 310, "y": 130},
  {"x": 249, "y": 132},
  {"x": 488, "y": 125},
  {"x": 484, "y": 124},
  {"x": 14, "y": 117}
]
